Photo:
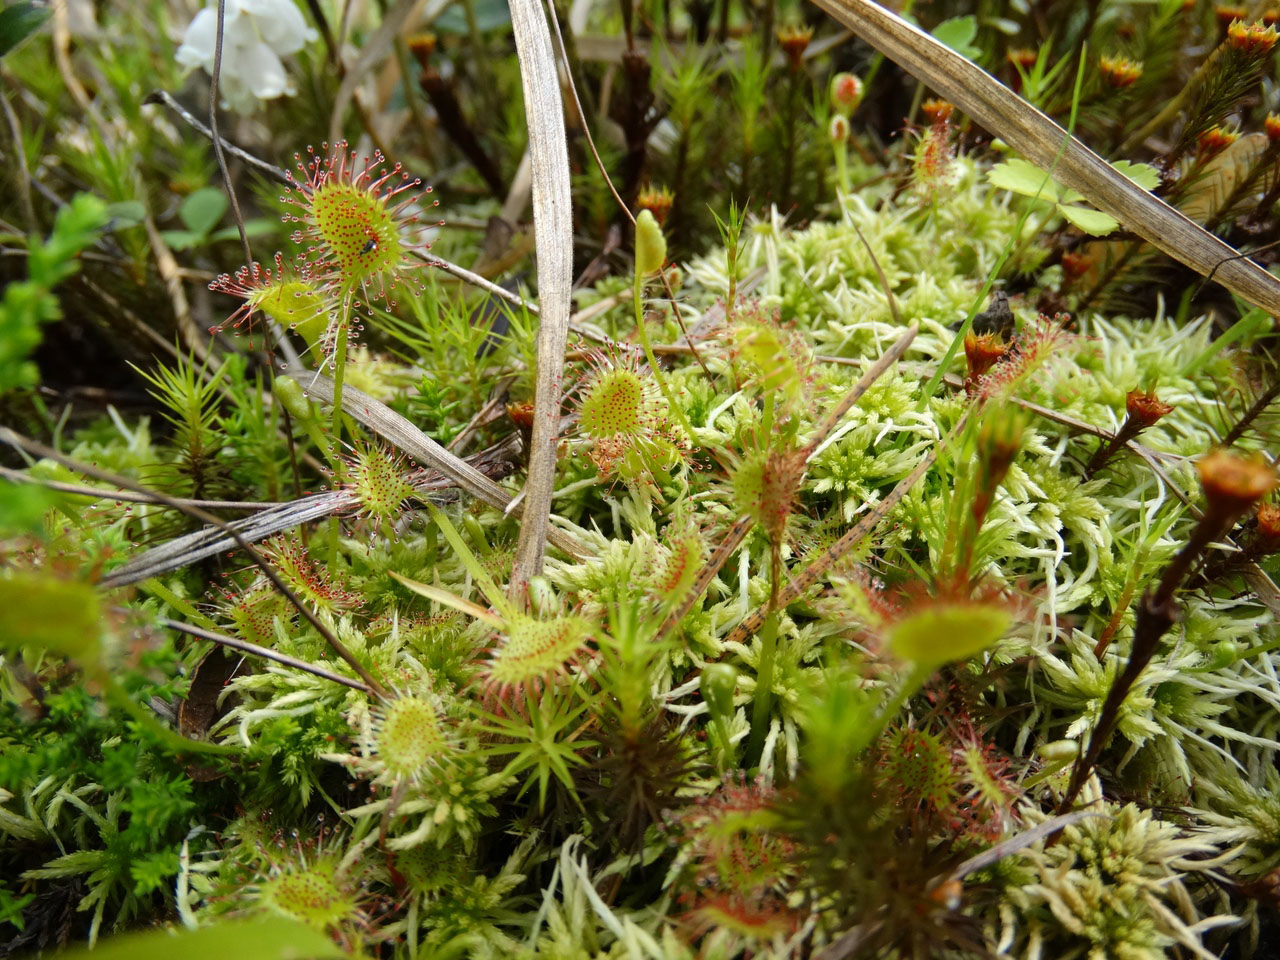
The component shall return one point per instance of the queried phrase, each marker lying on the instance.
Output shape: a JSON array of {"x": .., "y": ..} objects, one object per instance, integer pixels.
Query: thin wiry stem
[
  {"x": 215, "y": 79},
  {"x": 265, "y": 653}
]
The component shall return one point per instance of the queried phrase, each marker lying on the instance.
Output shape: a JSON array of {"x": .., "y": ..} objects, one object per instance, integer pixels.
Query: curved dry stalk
[
  {"x": 1003, "y": 113},
  {"x": 553, "y": 229}
]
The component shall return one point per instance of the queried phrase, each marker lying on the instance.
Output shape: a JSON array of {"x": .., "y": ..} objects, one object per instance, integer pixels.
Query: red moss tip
[
  {"x": 1119, "y": 72},
  {"x": 1233, "y": 484},
  {"x": 1271, "y": 125},
  {"x": 1269, "y": 527},
  {"x": 846, "y": 93},
  {"x": 1213, "y": 141},
  {"x": 657, "y": 200},
  {"x": 1022, "y": 57},
  {"x": 1144, "y": 409},
  {"x": 1074, "y": 266},
  {"x": 1254, "y": 39},
  {"x": 937, "y": 111},
  {"x": 983, "y": 351}
]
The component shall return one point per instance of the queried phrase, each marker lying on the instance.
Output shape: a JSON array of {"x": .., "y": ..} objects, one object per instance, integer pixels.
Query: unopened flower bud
[
  {"x": 291, "y": 397},
  {"x": 717, "y": 683},
  {"x": 1232, "y": 484},
  {"x": 651, "y": 245},
  {"x": 838, "y": 129},
  {"x": 846, "y": 93}
]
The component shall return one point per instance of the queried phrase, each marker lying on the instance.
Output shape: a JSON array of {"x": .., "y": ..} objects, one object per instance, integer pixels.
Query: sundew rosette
[{"x": 355, "y": 220}]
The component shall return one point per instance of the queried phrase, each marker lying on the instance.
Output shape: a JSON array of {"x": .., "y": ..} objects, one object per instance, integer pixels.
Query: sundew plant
[{"x": 644, "y": 480}]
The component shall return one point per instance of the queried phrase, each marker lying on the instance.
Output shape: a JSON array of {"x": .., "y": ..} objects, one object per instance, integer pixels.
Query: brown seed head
[
  {"x": 1226, "y": 14},
  {"x": 1271, "y": 125},
  {"x": 794, "y": 41},
  {"x": 1022, "y": 57}
]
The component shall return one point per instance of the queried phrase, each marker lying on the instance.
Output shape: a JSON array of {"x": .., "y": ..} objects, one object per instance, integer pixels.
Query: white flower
[{"x": 255, "y": 35}]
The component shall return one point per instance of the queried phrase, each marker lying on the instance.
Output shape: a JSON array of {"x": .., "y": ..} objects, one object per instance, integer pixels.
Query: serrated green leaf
[
  {"x": 1093, "y": 222},
  {"x": 1024, "y": 178},
  {"x": 1143, "y": 174},
  {"x": 202, "y": 210}
]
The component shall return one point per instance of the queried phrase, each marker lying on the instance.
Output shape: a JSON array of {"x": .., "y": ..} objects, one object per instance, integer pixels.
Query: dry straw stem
[
  {"x": 1006, "y": 115},
  {"x": 398, "y": 431},
  {"x": 553, "y": 233}
]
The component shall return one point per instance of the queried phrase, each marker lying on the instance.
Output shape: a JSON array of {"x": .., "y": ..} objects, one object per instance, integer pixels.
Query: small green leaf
[
  {"x": 1025, "y": 178},
  {"x": 181, "y": 239},
  {"x": 202, "y": 210},
  {"x": 125, "y": 214},
  {"x": 257, "y": 227},
  {"x": 1093, "y": 222},
  {"x": 19, "y": 21},
  {"x": 58, "y": 615},
  {"x": 958, "y": 33}
]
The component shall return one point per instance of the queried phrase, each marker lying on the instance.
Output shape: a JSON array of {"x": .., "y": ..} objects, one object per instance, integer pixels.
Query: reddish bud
[
  {"x": 846, "y": 93},
  {"x": 1074, "y": 266},
  {"x": 1233, "y": 484},
  {"x": 838, "y": 130},
  {"x": 1144, "y": 409}
]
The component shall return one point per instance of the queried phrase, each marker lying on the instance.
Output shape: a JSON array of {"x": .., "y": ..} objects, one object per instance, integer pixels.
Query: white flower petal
[
  {"x": 198, "y": 41},
  {"x": 280, "y": 24},
  {"x": 262, "y": 70}
]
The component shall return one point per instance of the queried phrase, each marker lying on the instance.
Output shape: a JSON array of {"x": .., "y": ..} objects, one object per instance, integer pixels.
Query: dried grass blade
[
  {"x": 553, "y": 231},
  {"x": 1045, "y": 143}
]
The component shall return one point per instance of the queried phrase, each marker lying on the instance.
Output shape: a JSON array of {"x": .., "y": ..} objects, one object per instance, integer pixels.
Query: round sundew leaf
[
  {"x": 612, "y": 404},
  {"x": 310, "y": 895},
  {"x": 938, "y": 634},
  {"x": 359, "y": 233},
  {"x": 409, "y": 737},
  {"x": 534, "y": 650},
  {"x": 379, "y": 484}
]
